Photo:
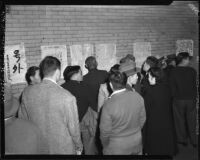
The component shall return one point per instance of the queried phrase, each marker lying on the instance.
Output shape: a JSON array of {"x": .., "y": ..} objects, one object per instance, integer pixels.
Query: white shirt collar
[
  {"x": 118, "y": 91},
  {"x": 50, "y": 79}
]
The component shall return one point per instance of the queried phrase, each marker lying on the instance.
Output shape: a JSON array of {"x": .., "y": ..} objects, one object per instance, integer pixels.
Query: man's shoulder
[
  {"x": 129, "y": 95},
  {"x": 133, "y": 93},
  {"x": 64, "y": 92},
  {"x": 58, "y": 90},
  {"x": 103, "y": 72},
  {"x": 185, "y": 69},
  {"x": 32, "y": 89},
  {"x": 108, "y": 104},
  {"x": 28, "y": 88},
  {"x": 192, "y": 69}
]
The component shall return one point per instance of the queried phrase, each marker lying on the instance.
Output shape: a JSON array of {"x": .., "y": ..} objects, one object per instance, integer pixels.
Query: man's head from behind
[
  {"x": 50, "y": 67},
  {"x": 32, "y": 75},
  {"x": 118, "y": 80},
  {"x": 91, "y": 63},
  {"x": 183, "y": 58}
]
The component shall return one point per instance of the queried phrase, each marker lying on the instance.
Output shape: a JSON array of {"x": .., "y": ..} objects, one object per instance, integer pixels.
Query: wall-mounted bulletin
[
  {"x": 58, "y": 51},
  {"x": 15, "y": 63},
  {"x": 184, "y": 46},
  {"x": 105, "y": 55},
  {"x": 141, "y": 50},
  {"x": 79, "y": 53}
]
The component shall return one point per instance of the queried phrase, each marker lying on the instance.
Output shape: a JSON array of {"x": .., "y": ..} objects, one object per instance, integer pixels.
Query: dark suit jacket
[
  {"x": 83, "y": 97},
  {"x": 93, "y": 79}
]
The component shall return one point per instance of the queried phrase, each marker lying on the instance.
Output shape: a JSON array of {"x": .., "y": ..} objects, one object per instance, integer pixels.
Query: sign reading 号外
[{"x": 15, "y": 63}]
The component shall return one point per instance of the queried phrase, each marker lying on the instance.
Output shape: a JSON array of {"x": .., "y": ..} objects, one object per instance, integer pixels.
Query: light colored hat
[
  {"x": 129, "y": 68},
  {"x": 127, "y": 58}
]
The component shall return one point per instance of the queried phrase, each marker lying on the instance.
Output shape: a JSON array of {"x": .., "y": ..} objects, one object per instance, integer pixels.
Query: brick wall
[{"x": 43, "y": 25}]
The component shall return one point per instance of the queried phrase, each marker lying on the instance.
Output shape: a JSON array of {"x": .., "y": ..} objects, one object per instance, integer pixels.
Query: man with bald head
[{"x": 94, "y": 77}]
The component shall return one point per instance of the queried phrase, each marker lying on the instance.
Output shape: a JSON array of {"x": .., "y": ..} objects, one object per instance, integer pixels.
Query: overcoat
[
  {"x": 159, "y": 131},
  {"x": 54, "y": 110}
]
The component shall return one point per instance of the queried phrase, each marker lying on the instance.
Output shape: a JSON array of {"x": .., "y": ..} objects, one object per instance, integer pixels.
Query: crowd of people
[{"x": 126, "y": 111}]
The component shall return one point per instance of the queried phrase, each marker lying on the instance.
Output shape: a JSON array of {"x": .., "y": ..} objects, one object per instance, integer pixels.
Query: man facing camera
[{"x": 53, "y": 109}]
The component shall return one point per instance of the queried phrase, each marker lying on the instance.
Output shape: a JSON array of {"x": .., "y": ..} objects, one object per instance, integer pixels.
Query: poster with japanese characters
[
  {"x": 79, "y": 53},
  {"x": 15, "y": 63},
  {"x": 105, "y": 55},
  {"x": 184, "y": 46},
  {"x": 141, "y": 50},
  {"x": 58, "y": 51}
]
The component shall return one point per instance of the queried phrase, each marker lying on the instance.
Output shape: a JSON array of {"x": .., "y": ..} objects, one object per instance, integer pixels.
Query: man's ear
[
  {"x": 31, "y": 78},
  {"x": 86, "y": 66}
]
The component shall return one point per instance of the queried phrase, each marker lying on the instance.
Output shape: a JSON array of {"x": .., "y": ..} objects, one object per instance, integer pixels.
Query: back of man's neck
[
  {"x": 93, "y": 69},
  {"x": 50, "y": 78}
]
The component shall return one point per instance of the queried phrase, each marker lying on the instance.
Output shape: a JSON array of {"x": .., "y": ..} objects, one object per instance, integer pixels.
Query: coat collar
[{"x": 118, "y": 91}]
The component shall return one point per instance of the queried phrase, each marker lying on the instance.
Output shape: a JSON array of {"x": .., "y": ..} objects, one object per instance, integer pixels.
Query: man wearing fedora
[
  {"x": 133, "y": 75},
  {"x": 21, "y": 136}
]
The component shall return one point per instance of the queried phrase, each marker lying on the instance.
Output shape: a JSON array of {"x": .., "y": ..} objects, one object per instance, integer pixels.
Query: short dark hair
[
  {"x": 31, "y": 72},
  {"x": 152, "y": 61},
  {"x": 118, "y": 79},
  {"x": 181, "y": 56},
  {"x": 70, "y": 71},
  {"x": 114, "y": 68},
  {"x": 48, "y": 66},
  {"x": 157, "y": 73},
  {"x": 91, "y": 63}
]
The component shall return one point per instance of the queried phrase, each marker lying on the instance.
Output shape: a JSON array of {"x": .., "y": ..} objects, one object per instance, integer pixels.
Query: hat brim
[{"x": 132, "y": 71}]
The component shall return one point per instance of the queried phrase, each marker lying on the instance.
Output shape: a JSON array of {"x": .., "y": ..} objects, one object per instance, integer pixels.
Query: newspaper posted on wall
[
  {"x": 79, "y": 53},
  {"x": 184, "y": 46},
  {"x": 58, "y": 51},
  {"x": 105, "y": 55},
  {"x": 141, "y": 51},
  {"x": 15, "y": 63}
]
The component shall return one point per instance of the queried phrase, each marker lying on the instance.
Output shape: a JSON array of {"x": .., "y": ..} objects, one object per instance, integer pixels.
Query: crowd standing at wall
[
  {"x": 104, "y": 112},
  {"x": 127, "y": 110}
]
